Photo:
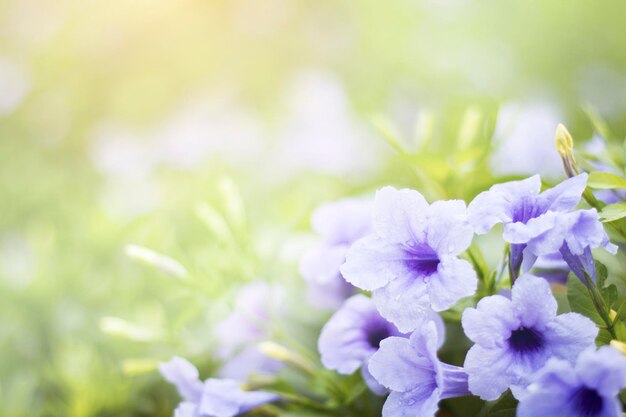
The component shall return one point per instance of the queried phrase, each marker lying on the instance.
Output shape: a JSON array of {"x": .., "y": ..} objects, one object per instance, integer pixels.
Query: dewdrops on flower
[
  {"x": 418, "y": 380},
  {"x": 590, "y": 388},
  {"x": 513, "y": 338},
  {"x": 411, "y": 262}
]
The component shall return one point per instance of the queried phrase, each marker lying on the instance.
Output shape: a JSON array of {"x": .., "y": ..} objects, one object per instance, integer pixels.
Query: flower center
[
  {"x": 423, "y": 260},
  {"x": 526, "y": 340},
  {"x": 526, "y": 209},
  {"x": 377, "y": 334},
  {"x": 587, "y": 402}
]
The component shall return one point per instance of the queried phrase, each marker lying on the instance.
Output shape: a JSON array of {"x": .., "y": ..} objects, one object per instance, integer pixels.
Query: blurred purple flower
[
  {"x": 237, "y": 336},
  {"x": 589, "y": 389},
  {"x": 321, "y": 133},
  {"x": 515, "y": 337},
  {"x": 340, "y": 224},
  {"x": 411, "y": 261},
  {"x": 352, "y": 335},
  {"x": 211, "y": 398},
  {"x": 599, "y": 161},
  {"x": 247, "y": 362},
  {"x": 524, "y": 140},
  {"x": 15, "y": 83},
  {"x": 417, "y": 379}
]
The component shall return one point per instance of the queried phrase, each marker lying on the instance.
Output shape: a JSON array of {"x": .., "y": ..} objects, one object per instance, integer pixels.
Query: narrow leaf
[
  {"x": 605, "y": 181},
  {"x": 613, "y": 212}
]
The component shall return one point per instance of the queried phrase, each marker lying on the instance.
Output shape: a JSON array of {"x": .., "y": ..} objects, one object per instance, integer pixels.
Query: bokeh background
[{"x": 207, "y": 131}]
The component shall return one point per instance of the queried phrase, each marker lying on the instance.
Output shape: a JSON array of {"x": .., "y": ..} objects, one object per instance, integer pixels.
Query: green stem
[
  {"x": 599, "y": 304},
  {"x": 503, "y": 264}
]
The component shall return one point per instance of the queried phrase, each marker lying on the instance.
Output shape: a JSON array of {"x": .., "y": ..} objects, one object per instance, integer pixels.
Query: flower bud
[
  {"x": 621, "y": 346},
  {"x": 565, "y": 148}
]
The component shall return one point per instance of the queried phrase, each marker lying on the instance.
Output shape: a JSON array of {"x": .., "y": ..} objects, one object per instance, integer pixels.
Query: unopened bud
[
  {"x": 564, "y": 141},
  {"x": 565, "y": 148},
  {"x": 621, "y": 346}
]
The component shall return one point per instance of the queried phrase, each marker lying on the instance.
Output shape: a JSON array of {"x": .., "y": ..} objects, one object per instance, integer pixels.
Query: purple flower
[
  {"x": 352, "y": 336},
  {"x": 237, "y": 336},
  {"x": 589, "y": 389},
  {"x": 214, "y": 397},
  {"x": 416, "y": 378},
  {"x": 540, "y": 223},
  {"x": 520, "y": 206},
  {"x": 340, "y": 224},
  {"x": 411, "y": 261},
  {"x": 249, "y": 361},
  {"x": 598, "y": 160},
  {"x": 520, "y": 141},
  {"x": 573, "y": 235},
  {"x": 515, "y": 337}
]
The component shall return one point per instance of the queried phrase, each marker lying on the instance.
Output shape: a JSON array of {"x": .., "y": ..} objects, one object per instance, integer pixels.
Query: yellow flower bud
[
  {"x": 621, "y": 346},
  {"x": 564, "y": 141},
  {"x": 565, "y": 148}
]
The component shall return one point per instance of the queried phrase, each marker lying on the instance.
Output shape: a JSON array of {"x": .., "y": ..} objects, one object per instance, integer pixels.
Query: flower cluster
[
  {"x": 412, "y": 263},
  {"x": 418, "y": 261}
]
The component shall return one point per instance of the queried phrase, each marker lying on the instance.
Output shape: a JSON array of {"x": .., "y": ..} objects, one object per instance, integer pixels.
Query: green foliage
[
  {"x": 505, "y": 406},
  {"x": 613, "y": 212},
  {"x": 581, "y": 302},
  {"x": 93, "y": 297},
  {"x": 605, "y": 181},
  {"x": 597, "y": 302}
]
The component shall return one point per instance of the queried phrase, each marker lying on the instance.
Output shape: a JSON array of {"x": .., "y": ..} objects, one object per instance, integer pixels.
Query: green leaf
[
  {"x": 477, "y": 259},
  {"x": 608, "y": 292},
  {"x": 610, "y": 295},
  {"x": 215, "y": 222},
  {"x": 597, "y": 121},
  {"x": 604, "y": 338},
  {"x": 613, "y": 212},
  {"x": 234, "y": 206},
  {"x": 580, "y": 300},
  {"x": 620, "y": 330},
  {"x": 505, "y": 406},
  {"x": 387, "y": 131},
  {"x": 605, "y": 181},
  {"x": 601, "y": 274}
]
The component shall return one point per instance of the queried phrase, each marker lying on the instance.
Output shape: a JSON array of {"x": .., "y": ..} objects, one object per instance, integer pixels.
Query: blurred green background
[{"x": 207, "y": 130}]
